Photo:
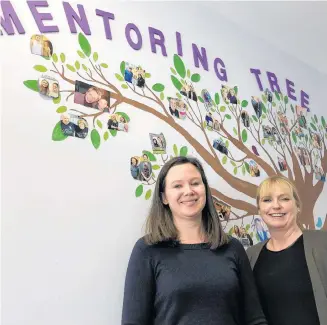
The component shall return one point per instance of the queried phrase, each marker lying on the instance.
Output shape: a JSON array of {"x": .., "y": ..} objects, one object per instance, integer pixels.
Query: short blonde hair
[{"x": 279, "y": 180}]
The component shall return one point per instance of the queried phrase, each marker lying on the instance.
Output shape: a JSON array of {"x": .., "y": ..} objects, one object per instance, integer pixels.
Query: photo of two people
[
  {"x": 211, "y": 122},
  {"x": 40, "y": 45},
  {"x": 223, "y": 209},
  {"x": 117, "y": 122},
  {"x": 92, "y": 96},
  {"x": 73, "y": 126},
  {"x": 141, "y": 168},
  {"x": 188, "y": 91},
  {"x": 245, "y": 119},
  {"x": 48, "y": 86},
  {"x": 208, "y": 102},
  {"x": 177, "y": 108},
  {"x": 158, "y": 143},
  {"x": 134, "y": 75},
  {"x": 257, "y": 105},
  {"x": 303, "y": 155},
  {"x": 254, "y": 169},
  {"x": 228, "y": 94},
  {"x": 219, "y": 145}
]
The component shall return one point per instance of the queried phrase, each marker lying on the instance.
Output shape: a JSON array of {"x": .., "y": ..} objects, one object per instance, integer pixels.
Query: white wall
[{"x": 69, "y": 212}]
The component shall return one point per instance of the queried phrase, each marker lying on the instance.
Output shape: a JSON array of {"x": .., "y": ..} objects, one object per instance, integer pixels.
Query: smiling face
[
  {"x": 184, "y": 192},
  {"x": 91, "y": 96},
  {"x": 278, "y": 207}
]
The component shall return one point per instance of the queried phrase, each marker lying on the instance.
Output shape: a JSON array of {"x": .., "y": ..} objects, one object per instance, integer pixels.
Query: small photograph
[
  {"x": 209, "y": 120},
  {"x": 245, "y": 119},
  {"x": 92, "y": 96},
  {"x": 257, "y": 105},
  {"x": 40, "y": 45},
  {"x": 135, "y": 170},
  {"x": 223, "y": 209},
  {"x": 260, "y": 230},
  {"x": 298, "y": 131},
  {"x": 145, "y": 168},
  {"x": 319, "y": 174},
  {"x": 276, "y": 136},
  {"x": 282, "y": 164},
  {"x": 48, "y": 86},
  {"x": 283, "y": 122},
  {"x": 228, "y": 94},
  {"x": 254, "y": 169},
  {"x": 316, "y": 139},
  {"x": 208, "y": 102},
  {"x": 134, "y": 75},
  {"x": 269, "y": 95},
  {"x": 242, "y": 235},
  {"x": 219, "y": 145},
  {"x": 177, "y": 108},
  {"x": 158, "y": 143},
  {"x": 117, "y": 122},
  {"x": 73, "y": 125},
  {"x": 301, "y": 116},
  {"x": 303, "y": 155},
  {"x": 267, "y": 131},
  {"x": 189, "y": 92}
]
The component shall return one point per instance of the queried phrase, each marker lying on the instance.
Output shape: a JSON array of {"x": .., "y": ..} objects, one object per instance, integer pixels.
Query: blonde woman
[{"x": 290, "y": 268}]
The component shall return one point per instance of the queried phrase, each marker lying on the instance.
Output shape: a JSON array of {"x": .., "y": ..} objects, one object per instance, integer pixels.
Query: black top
[
  {"x": 285, "y": 287},
  {"x": 190, "y": 284}
]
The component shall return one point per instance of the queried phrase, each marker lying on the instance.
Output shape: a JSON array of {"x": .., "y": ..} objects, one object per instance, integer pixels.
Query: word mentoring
[{"x": 9, "y": 19}]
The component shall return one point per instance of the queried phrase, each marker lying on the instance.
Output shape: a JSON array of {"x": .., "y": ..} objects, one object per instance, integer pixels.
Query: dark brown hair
[{"x": 160, "y": 226}]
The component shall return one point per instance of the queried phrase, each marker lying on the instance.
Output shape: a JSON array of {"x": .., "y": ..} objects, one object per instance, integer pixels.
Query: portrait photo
[
  {"x": 40, "y": 45},
  {"x": 48, "y": 86},
  {"x": 177, "y": 108},
  {"x": 158, "y": 143},
  {"x": 134, "y": 74}
]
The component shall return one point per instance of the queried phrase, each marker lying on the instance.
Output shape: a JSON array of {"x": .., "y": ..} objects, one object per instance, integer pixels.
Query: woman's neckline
[{"x": 284, "y": 249}]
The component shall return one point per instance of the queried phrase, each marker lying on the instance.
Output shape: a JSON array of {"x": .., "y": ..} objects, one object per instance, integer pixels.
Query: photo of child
[
  {"x": 158, "y": 143},
  {"x": 40, "y": 45},
  {"x": 134, "y": 75},
  {"x": 91, "y": 96},
  {"x": 48, "y": 86}
]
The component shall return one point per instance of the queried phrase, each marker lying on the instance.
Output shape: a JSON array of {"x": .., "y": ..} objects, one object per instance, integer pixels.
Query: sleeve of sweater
[
  {"x": 252, "y": 310},
  {"x": 139, "y": 288}
]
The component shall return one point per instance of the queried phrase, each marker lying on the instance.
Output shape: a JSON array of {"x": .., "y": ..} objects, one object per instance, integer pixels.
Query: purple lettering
[
  {"x": 257, "y": 72},
  {"x": 290, "y": 89},
  {"x": 273, "y": 82},
  {"x": 157, "y": 41},
  {"x": 39, "y": 17},
  {"x": 9, "y": 17},
  {"x": 73, "y": 17},
  {"x": 179, "y": 44},
  {"x": 305, "y": 100},
  {"x": 220, "y": 73},
  {"x": 202, "y": 57},
  {"x": 132, "y": 27},
  {"x": 106, "y": 16}
]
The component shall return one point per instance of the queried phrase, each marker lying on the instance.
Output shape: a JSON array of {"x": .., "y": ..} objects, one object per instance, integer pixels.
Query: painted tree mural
[{"x": 286, "y": 139}]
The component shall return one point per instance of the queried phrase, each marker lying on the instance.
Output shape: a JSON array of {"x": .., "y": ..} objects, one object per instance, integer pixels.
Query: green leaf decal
[
  {"x": 124, "y": 86},
  {"x": 323, "y": 122},
  {"x": 222, "y": 109},
  {"x": 228, "y": 117},
  {"x": 122, "y": 68},
  {"x": 55, "y": 57},
  {"x": 124, "y": 115},
  {"x": 81, "y": 54},
  {"x": 70, "y": 67},
  {"x": 104, "y": 65},
  {"x": 235, "y": 131},
  {"x": 264, "y": 98},
  {"x": 175, "y": 150},
  {"x": 292, "y": 108},
  {"x": 235, "y": 170},
  {"x": 40, "y": 68},
  {"x": 254, "y": 118},
  {"x": 294, "y": 137},
  {"x": 99, "y": 124},
  {"x": 244, "y": 135},
  {"x": 151, "y": 156},
  {"x": 176, "y": 82},
  {"x": 139, "y": 191},
  {"x": 236, "y": 90},
  {"x": 158, "y": 87},
  {"x": 188, "y": 73},
  {"x": 264, "y": 109},
  {"x": 95, "y": 56},
  {"x": 84, "y": 67},
  {"x": 285, "y": 99},
  {"x": 316, "y": 118},
  {"x": 57, "y": 134},
  {"x": 244, "y": 103},
  {"x": 77, "y": 65},
  {"x": 162, "y": 96},
  {"x": 119, "y": 77},
  {"x": 243, "y": 170},
  {"x": 57, "y": 100},
  {"x": 31, "y": 84},
  {"x": 95, "y": 139},
  {"x": 155, "y": 167},
  {"x": 106, "y": 136},
  {"x": 247, "y": 167},
  {"x": 148, "y": 194},
  {"x": 179, "y": 96},
  {"x": 313, "y": 126},
  {"x": 277, "y": 95},
  {"x": 179, "y": 66},
  {"x": 113, "y": 132},
  {"x": 217, "y": 99},
  {"x": 84, "y": 44},
  {"x": 183, "y": 151},
  {"x": 173, "y": 71},
  {"x": 224, "y": 160},
  {"x": 61, "y": 109},
  {"x": 147, "y": 75},
  {"x": 195, "y": 77},
  {"x": 62, "y": 57},
  {"x": 200, "y": 99}
]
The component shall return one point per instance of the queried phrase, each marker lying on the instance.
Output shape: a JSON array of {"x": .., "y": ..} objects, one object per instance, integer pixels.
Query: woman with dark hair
[{"x": 185, "y": 270}]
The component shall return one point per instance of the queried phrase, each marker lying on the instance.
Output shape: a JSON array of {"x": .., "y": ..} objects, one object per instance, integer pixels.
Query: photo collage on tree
[
  {"x": 134, "y": 75},
  {"x": 74, "y": 126},
  {"x": 40, "y": 45},
  {"x": 158, "y": 143},
  {"x": 177, "y": 108}
]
